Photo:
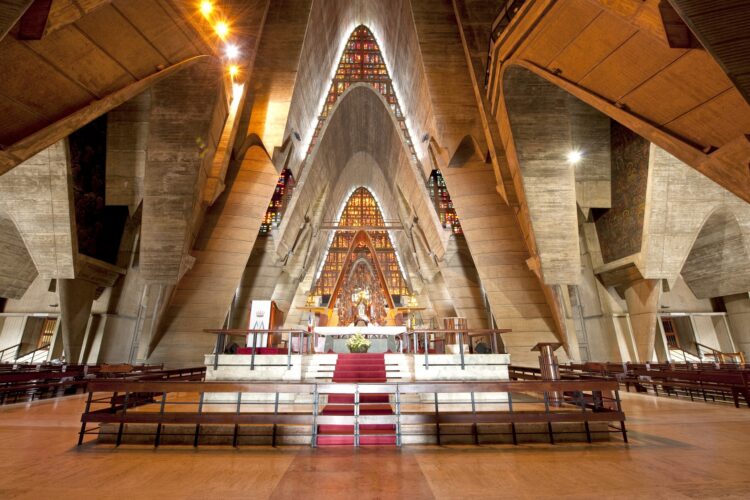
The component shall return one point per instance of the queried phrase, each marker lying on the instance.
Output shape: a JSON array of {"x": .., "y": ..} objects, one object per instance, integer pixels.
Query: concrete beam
[
  {"x": 185, "y": 121},
  {"x": 642, "y": 297},
  {"x": 38, "y": 195},
  {"x": 76, "y": 299},
  {"x": 17, "y": 270}
]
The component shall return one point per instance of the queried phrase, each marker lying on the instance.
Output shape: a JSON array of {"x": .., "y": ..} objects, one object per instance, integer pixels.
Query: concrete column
[
  {"x": 738, "y": 315},
  {"x": 76, "y": 299},
  {"x": 642, "y": 297}
]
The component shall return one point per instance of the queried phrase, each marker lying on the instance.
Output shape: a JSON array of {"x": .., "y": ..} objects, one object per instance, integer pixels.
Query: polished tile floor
[{"x": 677, "y": 449}]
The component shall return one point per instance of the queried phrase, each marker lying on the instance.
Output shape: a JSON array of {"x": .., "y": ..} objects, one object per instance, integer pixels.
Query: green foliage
[{"x": 358, "y": 343}]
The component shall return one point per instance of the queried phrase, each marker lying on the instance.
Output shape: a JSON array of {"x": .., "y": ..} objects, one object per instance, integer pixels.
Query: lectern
[{"x": 549, "y": 367}]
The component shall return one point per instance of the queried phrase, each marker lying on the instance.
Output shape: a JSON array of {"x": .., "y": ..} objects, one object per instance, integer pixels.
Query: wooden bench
[{"x": 705, "y": 383}]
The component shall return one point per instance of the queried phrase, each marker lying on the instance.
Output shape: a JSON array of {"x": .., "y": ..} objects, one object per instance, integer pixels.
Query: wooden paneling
[
  {"x": 109, "y": 29},
  {"x": 685, "y": 94},
  {"x": 83, "y": 62},
  {"x": 595, "y": 42},
  {"x": 635, "y": 61}
]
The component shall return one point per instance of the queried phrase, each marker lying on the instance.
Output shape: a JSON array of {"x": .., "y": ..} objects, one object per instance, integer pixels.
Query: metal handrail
[
  {"x": 33, "y": 353},
  {"x": 720, "y": 355},
  {"x": 597, "y": 400},
  {"x": 3, "y": 351},
  {"x": 222, "y": 333},
  {"x": 469, "y": 332},
  {"x": 410, "y": 340}
]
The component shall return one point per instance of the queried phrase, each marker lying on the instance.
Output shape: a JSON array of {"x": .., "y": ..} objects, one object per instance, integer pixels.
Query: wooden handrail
[
  {"x": 720, "y": 355},
  {"x": 121, "y": 386}
]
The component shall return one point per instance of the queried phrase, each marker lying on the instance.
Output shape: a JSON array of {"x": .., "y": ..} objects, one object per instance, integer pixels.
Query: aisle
[{"x": 360, "y": 367}]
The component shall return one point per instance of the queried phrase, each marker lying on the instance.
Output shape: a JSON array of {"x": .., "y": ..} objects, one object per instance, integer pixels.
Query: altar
[{"x": 383, "y": 338}]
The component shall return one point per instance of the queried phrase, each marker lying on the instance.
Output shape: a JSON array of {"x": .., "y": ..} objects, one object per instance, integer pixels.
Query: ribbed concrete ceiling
[
  {"x": 331, "y": 23},
  {"x": 361, "y": 123}
]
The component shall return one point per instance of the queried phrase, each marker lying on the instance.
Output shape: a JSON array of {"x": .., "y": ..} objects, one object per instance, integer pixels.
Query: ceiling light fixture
[
  {"x": 232, "y": 51},
  {"x": 574, "y": 156},
  {"x": 206, "y": 8},
  {"x": 222, "y": 29}
]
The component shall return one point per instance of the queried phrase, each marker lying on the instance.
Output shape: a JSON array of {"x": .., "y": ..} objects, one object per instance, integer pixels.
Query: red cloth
[{"x": 261, "y": 350}]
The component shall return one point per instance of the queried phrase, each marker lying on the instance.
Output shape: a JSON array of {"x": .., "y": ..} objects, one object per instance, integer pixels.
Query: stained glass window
[
  {"x": 443, "y": 202},
  {"x": 278, "y": 201},
  {"x": 362, "y": 61},
  {"x": 361, "y": 211}
]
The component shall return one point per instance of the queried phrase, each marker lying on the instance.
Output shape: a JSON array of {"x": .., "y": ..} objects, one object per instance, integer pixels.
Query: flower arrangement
[{"x": 358, "y": 343}]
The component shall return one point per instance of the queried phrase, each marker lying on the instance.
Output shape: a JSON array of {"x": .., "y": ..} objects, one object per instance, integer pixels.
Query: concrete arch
[
  {"x": 360, "y": 122},
  {"x": 719, "y": 260},
  {"x": 17, "y": 269},
  {"x": 679, "y": 203}
]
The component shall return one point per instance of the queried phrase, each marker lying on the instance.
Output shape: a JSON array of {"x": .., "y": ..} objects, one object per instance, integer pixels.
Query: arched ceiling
[
  {"x": 330, "y": 24},
  {"x": 360, "y": 123},
  {"x": 719, "y": 262}
]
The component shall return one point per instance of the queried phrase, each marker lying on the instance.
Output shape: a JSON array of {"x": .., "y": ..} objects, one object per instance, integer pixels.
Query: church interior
[{"x": 374, "y": 248}]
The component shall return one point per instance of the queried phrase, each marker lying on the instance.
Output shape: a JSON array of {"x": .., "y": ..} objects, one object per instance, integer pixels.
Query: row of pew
[
  {"x": 705, "y": 381},
  {"x": 30, "y": 382}
]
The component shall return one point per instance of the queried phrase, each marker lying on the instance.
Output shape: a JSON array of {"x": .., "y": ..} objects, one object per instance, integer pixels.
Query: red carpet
[{"x": 358, "y": 368}]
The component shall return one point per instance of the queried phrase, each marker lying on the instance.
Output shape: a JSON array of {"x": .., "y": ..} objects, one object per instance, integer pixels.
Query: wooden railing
[
  {"x": 110, "y": 404},
  {"x": 30, "y": 382},
  {"x": 9, "y": 353},
  {"x": 412, "y": 341},
  {"x": 722, "y": 357}
]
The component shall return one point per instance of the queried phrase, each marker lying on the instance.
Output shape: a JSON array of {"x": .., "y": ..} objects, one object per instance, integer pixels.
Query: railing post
[
  {"x": 220, "y": 340},
  {"x": 157, "y": 440},
  {"x": 512, "y": 423},
  {"x": 622, "y": 422},
  {"x": 474, "y": 429},
  {"x": 235, "y": 435},
  {"x": 356, "y": 415},
  {"x": 289, "y": 351},
  {"x": 549, "y": 422},
  {"x": 583, "y": 410},
  {"x": 198, "y": 425},
  {"x": 122, "y": 419},
  {"x": 461, "y": 348},
  {"x": 275, "y": 413},
  {"x": 314, "y": 440},
  {"x": 426, "y": 352},
  {"x": 83, "y": 418},
  {"x": 398, "y": 415},
  {"x": 437, "y": 419},
  {"x": 255, "y": 348}
]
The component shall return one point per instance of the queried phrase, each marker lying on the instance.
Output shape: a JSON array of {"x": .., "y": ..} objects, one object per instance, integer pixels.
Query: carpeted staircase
[{"x": 358, "y": 368}]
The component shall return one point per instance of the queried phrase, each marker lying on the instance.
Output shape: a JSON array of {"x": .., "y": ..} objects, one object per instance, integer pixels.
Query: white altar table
[
  {"x": 364, "y": 330},
  {"x": 385, "y": 337}
]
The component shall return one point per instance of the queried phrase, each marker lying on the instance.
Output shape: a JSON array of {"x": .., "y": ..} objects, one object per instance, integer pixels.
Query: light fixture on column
[
  {"x": 574, "y": 156},
  {"x": 222, "y": 29},
  {"x": 206, "y": 8},
  {"x": 231, "y": 51}
]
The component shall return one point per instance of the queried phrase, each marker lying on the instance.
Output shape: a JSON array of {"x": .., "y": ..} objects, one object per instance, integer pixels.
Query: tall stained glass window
[
  {"x": 362, "y": 62},
  {"x": 361, "y": 211},
  {"x": 443, "y": 202},
  {"x": 280, "y": 196}
]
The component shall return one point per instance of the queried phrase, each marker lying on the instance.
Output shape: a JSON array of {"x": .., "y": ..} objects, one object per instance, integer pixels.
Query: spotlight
[
  {"x": 222, "y": 29},
  {"x": 574, "y": 156},
  {"x": 232, "y": 51},
  {"x": 206, "y": 8},
  {"x": 234, "y": 70}
]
